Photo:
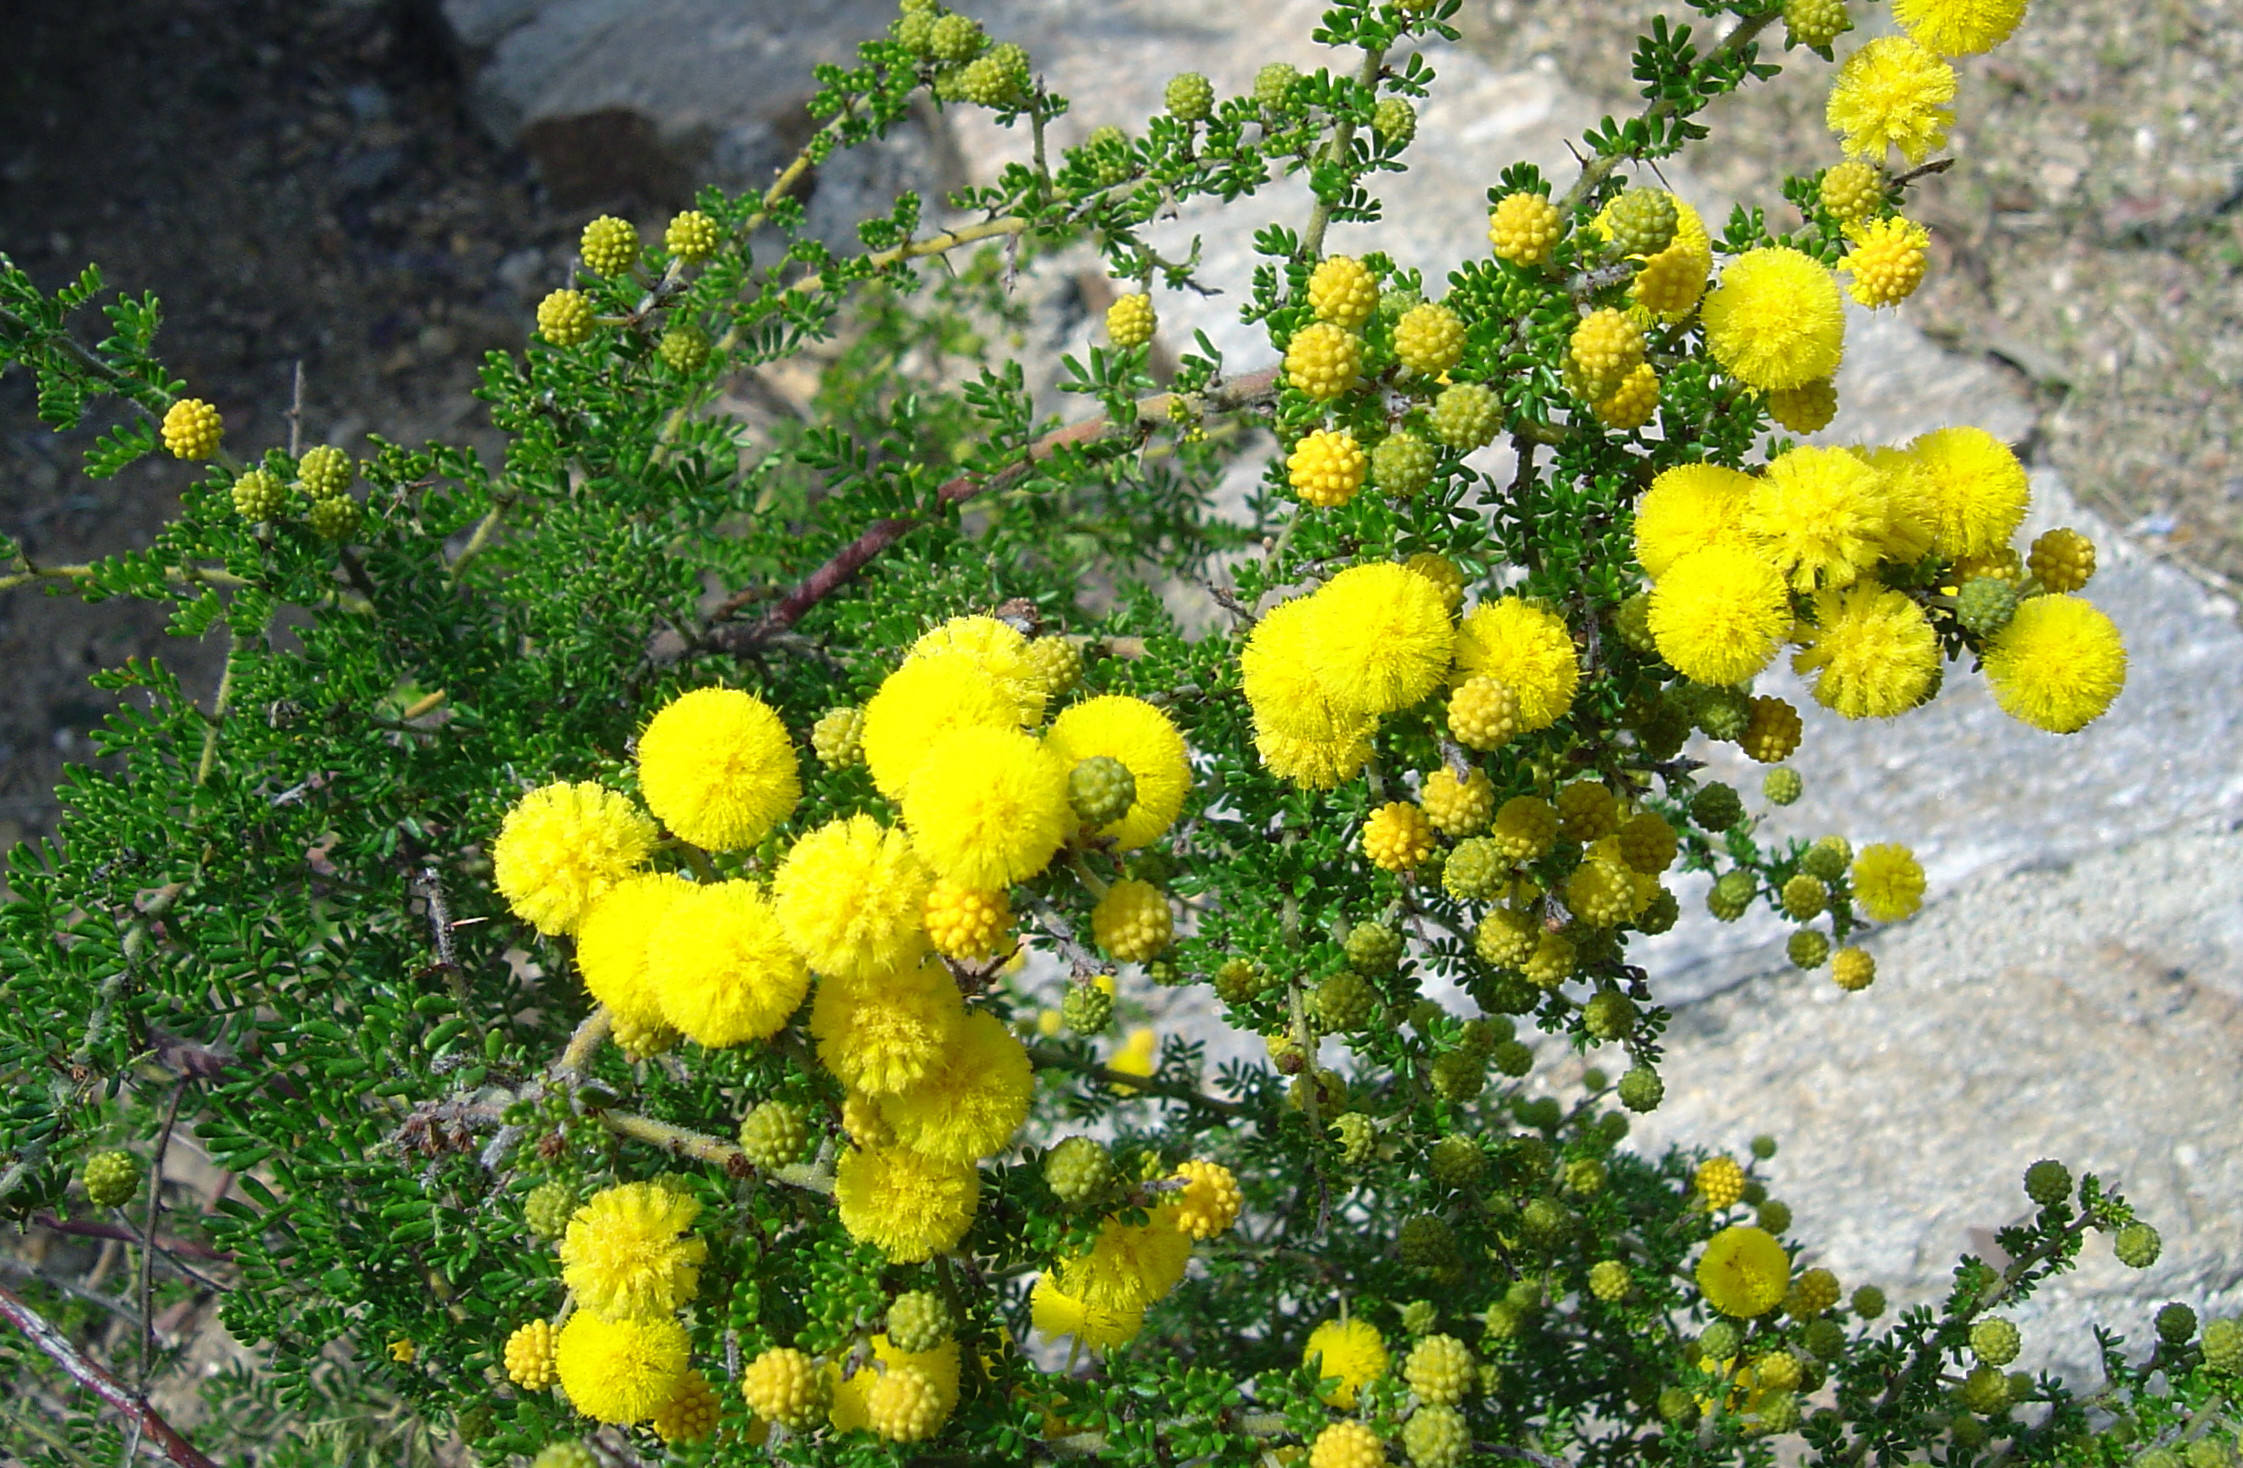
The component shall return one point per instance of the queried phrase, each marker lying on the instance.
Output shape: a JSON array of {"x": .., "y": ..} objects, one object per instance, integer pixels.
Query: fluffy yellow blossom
[
  {"x": 1318, "y": 764},
  {"x": 1887, "y": 259},
  {"x": 611, "y": 944},
  {"x": 1775, "y": 320},
  {"x": 716, "y": 767},
  {"x": 1819, "y": 516},
  {"x": 997, "y": 648},
  {"x": 1145, "y": 740},
  {"x": 1129, "y": 1267},
  {"x": 1873, "y": 653},
  {"x": 1352, "y": 1351},
  {"x": 1210, "y": 1201},
  {"x": 1286, "y": 697},
  {"x": 1527, "y": 649},
  {"x": 1744, "y": 1272},
  {"x": 988, "y": 807},
  {"x": 911, "y": 1207},
  {"x": 1892, "y": 93},
  {"x": 971, "y": 1100},
  {"x": 1718, "y": 613},
  {"x": 1910, "y": 502},
  {"x": 1888, "y": 883},
  {"x": 722, "y": 967},
  {"x": 1958, "y": 27},
  {"x": 1137, "y": 1055},
  {"x": 884, "y": 1032},
  {"x": 1975, "y": 490},
  {"x": 920, "y": 702},
  {"x": 851, "y": 896},
  {"x": 1687, "y": 508},
  {"x": 1058, "y": 1313},
  {"x": 561, "y": 847},
  {"x": 1378, "y": 638},
  {"x": 620, "y": 1371},
  {"x": 625, "y": 1254},
  {"x": 2057, "y": 665}
]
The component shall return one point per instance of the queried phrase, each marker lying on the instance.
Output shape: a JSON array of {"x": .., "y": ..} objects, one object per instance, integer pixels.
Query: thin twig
[
  {"x": 1343, "y": 138},
  {"x": 73, "y": 1289},
  {"x": 95, "y": 1379},
  {"x": 681, "y": 1141},
  {"x": 225, "y": 697},
  {"x": 148, "y": 1236},
  {"x": 296, "y": 415},
  {"x": 87, "y": 1228}
]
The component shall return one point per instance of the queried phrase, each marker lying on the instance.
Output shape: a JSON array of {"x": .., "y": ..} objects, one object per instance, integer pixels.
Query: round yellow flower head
[
  {"x": 1145, "y": 740},
  {"x": 1892, "y": 93},
  {"x": 691, "y": 1413},
  {"x": 1527, "y": 649},
  {"x": 1976, "y": 490},
  {"x": 1690, "y": 508},
  {"x": 1720, "y": 1181},
  {"x": 1483, "y": 714},
  {"x": 1378, "y": 638},
  {"x": 1605, "y": 347},
  {"x": 1887, "y": 260},
  {"x": 1428, "y": 339},
  {"x": 1718, "y": 613},
  {"x": 1525, "y": 827},
  {"x": 971, "y": 1100},
  {"x": 902, "y": 1405},
  {"x": 1210, "y": 1201},
  {"x": 1129, "y": 1267},
  {"x": 561, "y": 847},
  {"x": 850, "y": 1398},
  {"x": 1448, "y": 577},
  {"x": 1853, "y": 969},
  {"x": 691, "y": 236},
  {"x": 1874, "y": 653},
  {"x": 1131, "y": 923},
  {"x": 1351, "y": 1351},
  {"x": 2062, "y": 560},
  {"x": 1772, "y": 731},
  {"x": 1324, "y": 360},
  {"x": 620, "y": 1371},
  {"x": 1632, "y": 403},
  {"x": 1910, "y": 502},
  {"x": 1744, "y": 1272},
  {"x": 1342, "y": 290},
  {"x": 1138, "y": 1055},
  {"x": 192, "y": 428},
  {"x": 908, "y": 1206},
  {"x": 997, "y": 648},
  {"x": 882, "y": 1033},
  {"x": 967, "y": 923},
  {"x": 851, "y": 896},
  {"x": 1671, "y": 282},
  {"x": 611, "y": 944},
  {"x": 919, "y": 703},
  {"x": 2057, "y": 665},
  {"x": 1131, "y": 320},
  {"x": 1058, "y": 1313},
  {"x": 1286, "y": 697},
  {"x": 1346, "y": 1445},
  {"x": 1888, "y": 883},
  {"x": 1522, "y": 227},
  {"x": 1775, "y": 320},
  {"x": 1807, "y": 408},
  {"x": 623, "y": 1254},
  {"x": 717, "y": 768},
  {"x": 1958, "y": 27},
  {"x": 1327, "y": 468},
  {"x": 988, "y": 807},
  {"x": 722, "y": 967},
  {"x": 1819, "y": 516},
  {"x": 1317, "y": 764},
  {"x": 786, "y": 1387},
  {"x": 1397, "y": 836},
  {"x": 1458, "y": 807},
  {"x": 529, "y": 1356}
]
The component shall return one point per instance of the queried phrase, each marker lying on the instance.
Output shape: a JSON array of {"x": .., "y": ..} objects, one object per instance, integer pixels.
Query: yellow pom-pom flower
[
  {"x": 1892, "y": 93},
  {"x": 690, "y": 1415},
  {"x": 1977, "y": 490},
  {"x": 1720, "y": 1181},
  {"x": 1448, "y": 577},
  {"x": 1287, "y": 698},
  {"x": 1397, "y": 836},
  {"x": 1324, "y": 360},
  {"x": 1776, "y": 319},
  {"x": 1888, "y": 882},
  {"x": 1718, "y": 613},
  {"x": 852, "y": 896},
  {"x": 1819, "y": 516},
  {"x": 1687, "y": 508},
  {"x": 939, "y": 1366},
  {"x": 564, "y": 318},
  {"x": 1055, "y": 1313},
  {"x": 611, "y": 944},
  {"x": 883, "y": 1033},
  {"x": 1342, "y": 290},
  {"x": 1378, "y": 638},
  {"x": 1670, "y": 283},
  {"x": 1350, "y": 1351},
  {"x": 1130, "y": 321},
  {"x": 1129, "y": 1266},
  {"x": 192, "y": 429},
  {"x": 787, "y": 1387},
  {"x": 2057, "y": 665},
  {"x": 971, "y": 1100},
  {"x": 909, "y": 1206},
  {"x": 1457, "y": 807},
  {"x": 1958, "y": 27},
  {"x": 1887, "y": 260},
  {"x": 1428, "y": 339},
  {"x": 1482, "y": 713},
  {"x": 1744, "y": 1272},
  {"x": 1522, "y": 228},
  {"x": 1145, "y": 740},
  {"x": 1346, "y": 1445},
  {"x": 620, "y": 1371},
  {"x": 2062, "y": 560},
  {"x": 902, "y": 1405},
  {"x": 1527, "y": 649},
  {"x": 692, "y": 237},
  {"x": 1525, "y": 827},
  {"x": 529, "y": 1356},
  {"x": 968, "y": 923},
  {"x": 925, "y": 699},
  {"x": 1131, "y": 923},
  {"x": 997, "y": 648},
  {"x": 716, "y": 767},
  {"x": 1210, "y": 1201},
  {"x": 561, "y": 847},
  {"x": 1317, "y": 764},
  {"x": 1632, "y": 403},
  {"x": 1873, "y": 654},
  {"x": 1772, "y": 731},
  {"x": 988, "y": 807},
  {"x": 1606, "y": 346},
  {"x": 722, "y": 967},
  {"x": 625, "y": 1255},
  {"x": 1326, "y": 468}
]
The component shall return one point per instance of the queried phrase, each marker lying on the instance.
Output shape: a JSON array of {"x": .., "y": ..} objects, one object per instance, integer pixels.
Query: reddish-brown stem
[
  {"x": 98, "y": 1381},
  {"x": 87, "y": 1228}
]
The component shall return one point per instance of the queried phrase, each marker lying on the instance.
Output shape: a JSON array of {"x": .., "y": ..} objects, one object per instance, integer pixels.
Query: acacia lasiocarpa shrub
[{"x": 668, "y": 935}]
